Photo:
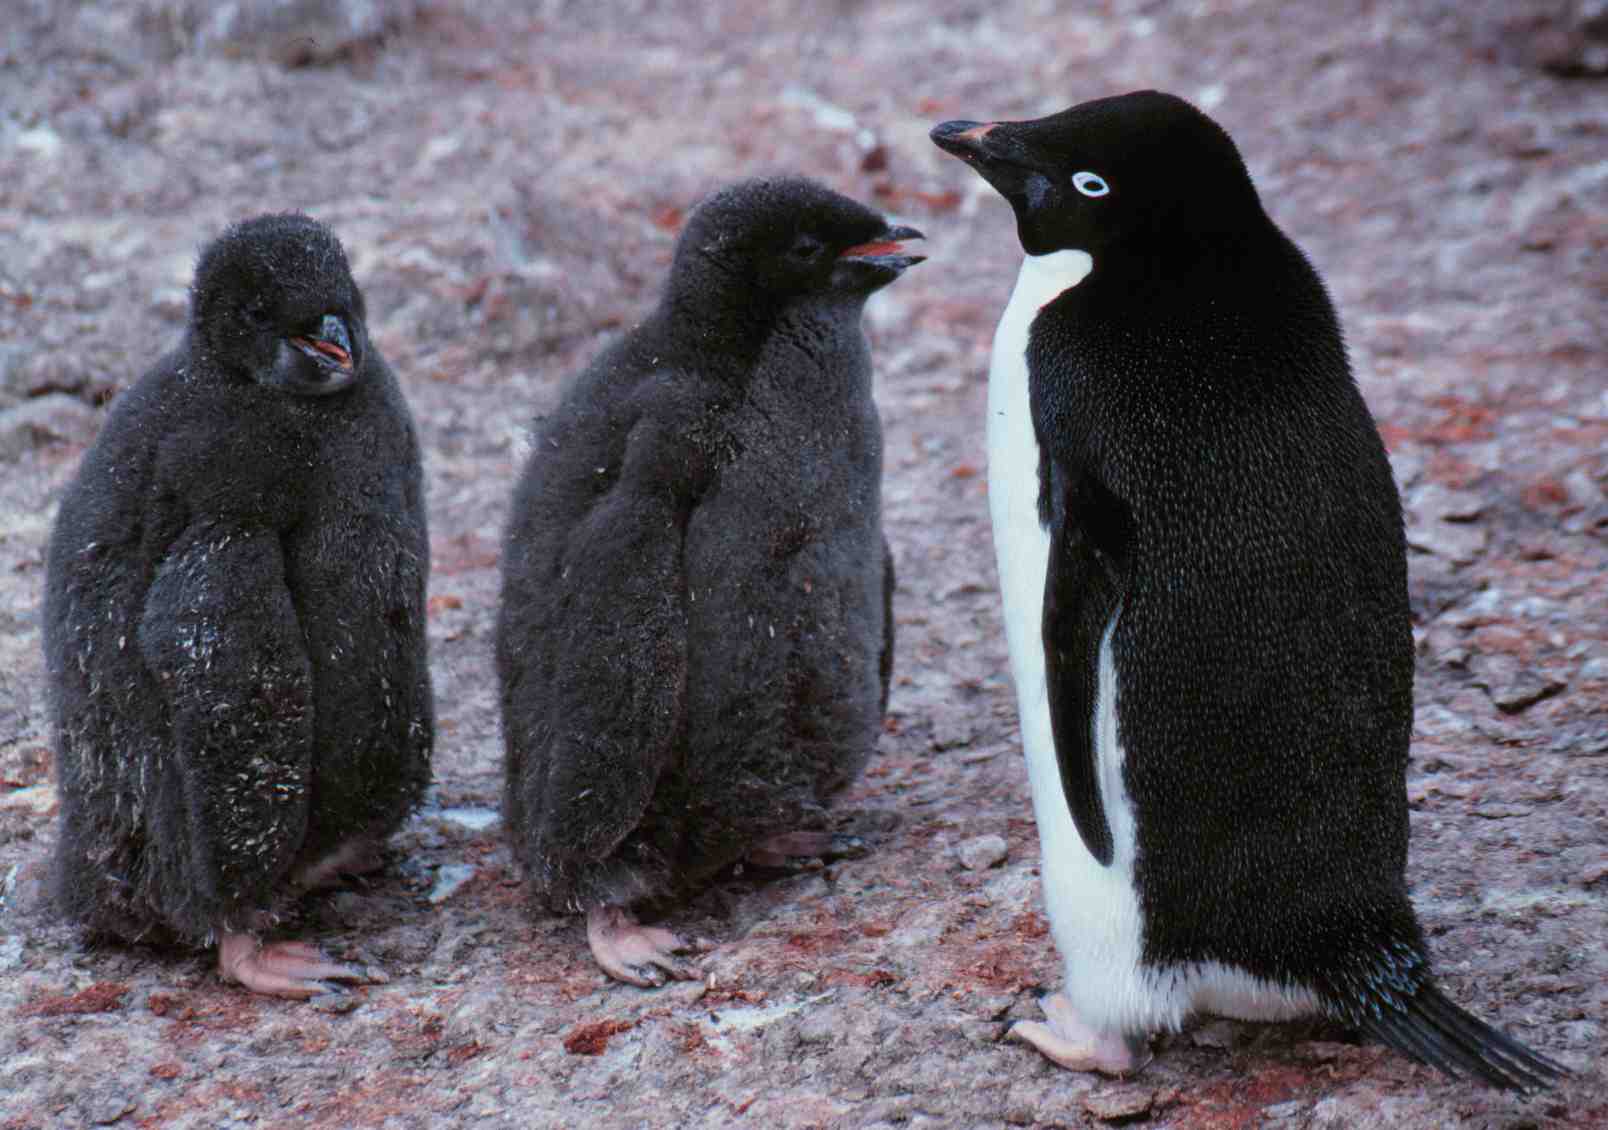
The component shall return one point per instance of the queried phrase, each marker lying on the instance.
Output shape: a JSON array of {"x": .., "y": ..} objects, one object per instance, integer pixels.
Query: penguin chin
[
  {"x": 866, "y": 267},
  {"x": 301, "y": 372},
  {"x": 862, "y": 276}
]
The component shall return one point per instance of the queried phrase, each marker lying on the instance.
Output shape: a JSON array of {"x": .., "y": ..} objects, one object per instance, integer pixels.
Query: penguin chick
[
  {"x": 234, "y": 618},
  {"x": 695, "y": 636},
  {"x": 1204, "y": 578}
]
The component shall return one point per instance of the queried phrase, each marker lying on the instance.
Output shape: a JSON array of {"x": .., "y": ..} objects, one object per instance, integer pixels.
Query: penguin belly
[{"x": 1095, "y": 911}]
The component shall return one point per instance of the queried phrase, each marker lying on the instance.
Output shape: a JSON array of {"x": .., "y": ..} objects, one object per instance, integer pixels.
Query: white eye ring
[{"x": 1090, "y": 184}]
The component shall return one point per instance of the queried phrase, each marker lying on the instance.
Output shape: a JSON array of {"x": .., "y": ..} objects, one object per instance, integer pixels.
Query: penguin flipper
[
  {"x": 885, "y": 660},
  {"x": 220, "y": 633},
  {"x": 1083, "y": 589},
  {"x": 595, "y": 679},
  {"x": 1428, "y": 1027}
]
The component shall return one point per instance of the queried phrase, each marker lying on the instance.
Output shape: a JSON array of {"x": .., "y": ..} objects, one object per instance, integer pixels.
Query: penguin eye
[
  {"x": 1090, "y": 184},
  {"x": 805, "y": 248}
]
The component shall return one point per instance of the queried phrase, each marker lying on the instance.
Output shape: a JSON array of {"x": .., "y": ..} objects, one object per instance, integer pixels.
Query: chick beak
[
  {"x": 330, "y": 347},
  {"x": 886, "y": 250}
]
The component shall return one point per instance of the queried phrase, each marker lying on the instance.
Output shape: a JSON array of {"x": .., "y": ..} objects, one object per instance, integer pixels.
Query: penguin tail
[{"x": 1427, "y": 1026}]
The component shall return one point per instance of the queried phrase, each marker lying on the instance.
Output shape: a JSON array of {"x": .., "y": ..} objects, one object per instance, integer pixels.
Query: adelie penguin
[
  {"x": 695, "y": 637},
  {"x": 234, "y": 618},
  {"x": 1204, "y": 577}
]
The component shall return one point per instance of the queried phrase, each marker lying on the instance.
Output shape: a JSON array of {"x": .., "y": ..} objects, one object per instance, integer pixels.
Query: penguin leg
[
  {"x": 775, "y": 851},
  {"x": 285, "y": 969},
  {"x": 1070, "y": 1042},
  {"x": 636, "y": 954},
  {"x": 354, "y": 857}
]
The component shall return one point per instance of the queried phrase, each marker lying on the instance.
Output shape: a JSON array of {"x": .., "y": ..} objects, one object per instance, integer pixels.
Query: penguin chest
[{"x": 1093, "y": 908}]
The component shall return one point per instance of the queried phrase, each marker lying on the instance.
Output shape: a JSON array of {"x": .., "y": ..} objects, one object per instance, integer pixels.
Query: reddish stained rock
[
  {"x": 593, "y": 1038},
  {"x": 104, "y": 996}
]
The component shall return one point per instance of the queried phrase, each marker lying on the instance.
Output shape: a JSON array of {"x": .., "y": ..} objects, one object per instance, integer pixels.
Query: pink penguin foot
[
  {"x": 285, "y": 969},
  {"x": 778, "y": 850},
  {"x": 1068, "y": 1041},
  {"x": 636, "y": 954},
  {"x": 354, "y": 857}
]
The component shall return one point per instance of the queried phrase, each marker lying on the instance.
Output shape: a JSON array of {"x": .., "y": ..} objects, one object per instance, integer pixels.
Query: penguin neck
[
  {"x": 720, "y": 321},
  {"x": 1043, "y": 278}
]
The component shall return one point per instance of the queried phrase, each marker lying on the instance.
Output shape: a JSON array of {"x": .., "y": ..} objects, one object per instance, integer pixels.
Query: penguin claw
[
  {"x": 636, "y": 954},
  {"x": 780, "y": 851},
  {"x": 1070, "y": 1042},
  {"x": 295, "y": 970}
]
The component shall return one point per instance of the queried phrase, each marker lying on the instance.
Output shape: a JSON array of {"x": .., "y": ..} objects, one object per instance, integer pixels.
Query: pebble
[
  {"x": 105, "y": 1108},
  {"x": 1125, "y": 1105},
  {"x": 1218, "y": 1034},
  {"x": 474, "y": 819},
  {"x": 1513, "y": 686},
  {"x": 1461, "y": 543},
  {"x": 982, "y": 852},
  {"x": 335, "y": 1003},
  {"x": 1281, "y": 1111},
  {"x": 1446, "y": 504},
  {"x": 449, "y": 877}
]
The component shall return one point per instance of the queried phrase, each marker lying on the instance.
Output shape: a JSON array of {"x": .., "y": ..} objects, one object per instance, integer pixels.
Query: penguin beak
[
  {"x": 331, "y": 347},
  {"x": 991, "y": 148},
  {"x": 882, "y": 259}
]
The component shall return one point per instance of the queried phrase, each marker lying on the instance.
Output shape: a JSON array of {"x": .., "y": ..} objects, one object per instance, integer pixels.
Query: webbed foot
[
  {"x": 777, "y": 851},
  {"x": 1068, "y": 1041},
  {"x": 285, "y": 969},
  {"x": 637, "y": 954}
]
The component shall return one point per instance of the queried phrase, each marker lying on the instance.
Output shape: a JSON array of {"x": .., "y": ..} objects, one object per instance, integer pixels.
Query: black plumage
[
  {"x": 695, "y": 636},
  {"x": 1216, "y": 495},
  {"x": 234, "y": 617}
]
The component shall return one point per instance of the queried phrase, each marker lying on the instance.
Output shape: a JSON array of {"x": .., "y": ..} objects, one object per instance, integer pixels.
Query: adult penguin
[{"x": 1204, "y": 576}]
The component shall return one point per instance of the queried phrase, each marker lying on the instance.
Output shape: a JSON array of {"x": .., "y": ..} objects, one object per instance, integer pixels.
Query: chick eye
[
  {"x": 1090, "y": 184},
  {"x": 805, "y": 248}
]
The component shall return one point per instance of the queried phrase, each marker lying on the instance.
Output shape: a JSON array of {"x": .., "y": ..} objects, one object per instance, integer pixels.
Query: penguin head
[
  {"x": 273, "y": 301},
  {"x": 1137, "y": 167},
  {"x": 776, "y": 241}
]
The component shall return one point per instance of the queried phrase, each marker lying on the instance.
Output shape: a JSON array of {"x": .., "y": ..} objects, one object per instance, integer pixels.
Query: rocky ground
[{"x": 508, "y": 179}]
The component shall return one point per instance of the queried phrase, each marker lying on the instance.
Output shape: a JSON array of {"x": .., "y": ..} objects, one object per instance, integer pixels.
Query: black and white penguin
[
  {"x": 1204, "y": 578},
  {"x": 695, "y": 637},
  {"x": 234, "y": 618}
]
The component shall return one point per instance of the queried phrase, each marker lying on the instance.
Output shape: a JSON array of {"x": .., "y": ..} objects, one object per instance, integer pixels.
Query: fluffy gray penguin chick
[
  {"x": 234, "y": 618},
  {"x": 695, "y": 637}
]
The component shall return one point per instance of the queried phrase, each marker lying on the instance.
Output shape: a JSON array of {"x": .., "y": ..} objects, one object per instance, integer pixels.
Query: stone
[
  {"x": 1512, "y": 685},
  {"x": 982, "y": 852},
  {"x": 1129, "y": 1104}
]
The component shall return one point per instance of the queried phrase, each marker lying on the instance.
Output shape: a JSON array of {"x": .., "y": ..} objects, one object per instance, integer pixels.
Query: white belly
[{"x": 1093, "y": 909}]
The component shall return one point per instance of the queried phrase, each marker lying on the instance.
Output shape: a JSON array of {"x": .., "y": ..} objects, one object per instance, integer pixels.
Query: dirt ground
[{"x": 508, "y": 180}]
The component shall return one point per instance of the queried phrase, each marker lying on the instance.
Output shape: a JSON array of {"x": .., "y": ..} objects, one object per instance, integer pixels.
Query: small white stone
[{"x": 982, "y": 852}]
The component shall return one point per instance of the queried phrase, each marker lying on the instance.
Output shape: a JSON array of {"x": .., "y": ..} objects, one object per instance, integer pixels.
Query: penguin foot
[
  {"x": 285, "y": 969},
  {"x": 636, "y": 954},
  {"x": 777, "y": 851},
  {"x": 1068, "y": 1041},
  {"x": 354, "y": 857}
]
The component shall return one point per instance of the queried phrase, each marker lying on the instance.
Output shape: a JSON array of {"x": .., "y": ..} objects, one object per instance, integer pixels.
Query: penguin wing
[
  {"x": 1083, "y": 588},
  {"x": 220, "y": 633},
  {"x": 885, "y": 660},
  {"x": 594, "y": 649}
]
